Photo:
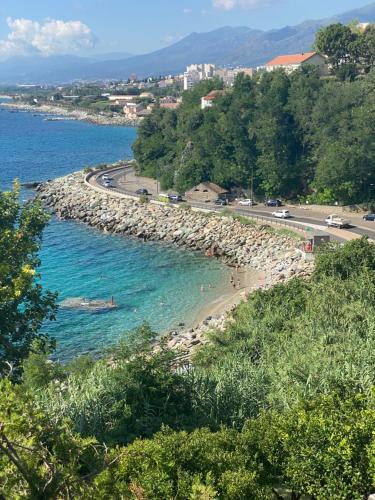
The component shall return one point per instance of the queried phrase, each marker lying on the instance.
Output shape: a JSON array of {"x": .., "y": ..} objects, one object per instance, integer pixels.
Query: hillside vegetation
[
  {"x": 297, "y": 135},
  {"x": 278, "y": 405}
]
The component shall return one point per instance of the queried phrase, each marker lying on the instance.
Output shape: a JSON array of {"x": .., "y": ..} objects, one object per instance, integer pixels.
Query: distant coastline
[{"x": 75, "y": 114}]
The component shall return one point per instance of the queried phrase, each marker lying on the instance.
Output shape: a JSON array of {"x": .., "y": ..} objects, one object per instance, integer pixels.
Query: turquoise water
[{"x": 149, "y": 281}]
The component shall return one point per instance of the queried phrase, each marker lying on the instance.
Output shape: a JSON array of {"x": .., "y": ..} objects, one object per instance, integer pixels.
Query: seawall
[{"x": 253, "y": 246}]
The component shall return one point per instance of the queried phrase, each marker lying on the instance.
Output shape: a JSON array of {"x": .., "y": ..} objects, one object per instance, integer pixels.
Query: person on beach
[
  {"x": 202, "y": 288},
  {"x": 232, "y": 281},
  {"x": 238, "y": 283}
]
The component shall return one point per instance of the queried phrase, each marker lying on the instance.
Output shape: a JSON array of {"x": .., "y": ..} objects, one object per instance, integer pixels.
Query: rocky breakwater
[
  {"x": 253, "y": 246},
  {"x": 98, "y": 118},
  {"x": 250, "y": 246}
]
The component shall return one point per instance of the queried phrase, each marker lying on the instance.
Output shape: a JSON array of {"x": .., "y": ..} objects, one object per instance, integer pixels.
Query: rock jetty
[
  {"x": 249, "y": 246},
  {"x": 252, "y": 246}
]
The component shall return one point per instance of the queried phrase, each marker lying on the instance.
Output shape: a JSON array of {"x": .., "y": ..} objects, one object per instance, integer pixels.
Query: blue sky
[{"x": 93, "y": 26}]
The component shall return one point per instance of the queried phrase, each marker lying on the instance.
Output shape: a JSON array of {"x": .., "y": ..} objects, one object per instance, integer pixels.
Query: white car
[
  {"x": 334, "y": 220},
  {"x": 281, "y": 214},
  {"x": 107, "y": 184},
  {"x": 246, "y": 203}
]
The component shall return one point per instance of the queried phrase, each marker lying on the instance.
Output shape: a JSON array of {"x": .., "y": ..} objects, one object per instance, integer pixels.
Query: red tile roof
[
  {"x": 291, "y": 59},
  {"x": 213, "y": 94}
]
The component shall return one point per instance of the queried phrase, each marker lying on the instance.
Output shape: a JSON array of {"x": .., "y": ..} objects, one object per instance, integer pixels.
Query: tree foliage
[
  {"x": 40, "y": 458},
  {"x": 292, "y": 134},
  {"x": 23, "y": 303},
  {"x": 350, "y": 50}
]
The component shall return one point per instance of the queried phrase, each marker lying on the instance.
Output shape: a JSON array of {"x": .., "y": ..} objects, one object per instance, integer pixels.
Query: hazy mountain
[
  {"x": 111, "y": 56},
  {"x": 53, "y": 69},
  {"x": 225, "y": 46}
]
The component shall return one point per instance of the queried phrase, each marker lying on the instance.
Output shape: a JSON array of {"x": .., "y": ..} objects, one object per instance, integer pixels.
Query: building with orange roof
[
  {"x": 208, "y": 100},
  {"x": 291, "y": 62}
]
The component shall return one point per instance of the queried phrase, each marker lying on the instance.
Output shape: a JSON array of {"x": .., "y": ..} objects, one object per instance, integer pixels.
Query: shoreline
[
  {"x": 263, "y": 258},
  {"x": 73, "y": 114},
  {"x": 231, "y": 296}
]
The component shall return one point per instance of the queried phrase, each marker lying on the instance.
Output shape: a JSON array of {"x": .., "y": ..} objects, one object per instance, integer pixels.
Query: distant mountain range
[{"x": 226, "y": 46}]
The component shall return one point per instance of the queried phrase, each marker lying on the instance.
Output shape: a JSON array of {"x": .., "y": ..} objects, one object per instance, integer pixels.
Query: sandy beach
[{"x": 245, "y": 280}]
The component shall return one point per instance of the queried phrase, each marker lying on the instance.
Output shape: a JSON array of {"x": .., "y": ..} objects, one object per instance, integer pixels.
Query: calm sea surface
[{"x": 149, "y": 281}]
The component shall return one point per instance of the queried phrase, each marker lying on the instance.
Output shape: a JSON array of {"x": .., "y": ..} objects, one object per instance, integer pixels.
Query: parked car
[
  {"x": 107, "y": 184},
  {"x": 370, "y": 216},
  {"x": 106, "y": 177},
  {"x": 221, "y": 202},
  {"x": 142, "y": 191},
  {"x": 273, "y": 203},
  {"x": 175, "y": 197},
  {"x": 281, "y": 214},
  {"x": 247, "y": 202},
  {"x": 334, "y": 220}
]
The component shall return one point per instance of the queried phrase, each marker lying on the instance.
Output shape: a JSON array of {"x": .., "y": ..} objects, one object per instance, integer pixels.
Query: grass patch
[
  {"x": 268, "y": 229},
  {"x": 185, "y": 206},
  {"x": 290, "y": 234},
  {"x": 246, "y": 221}
]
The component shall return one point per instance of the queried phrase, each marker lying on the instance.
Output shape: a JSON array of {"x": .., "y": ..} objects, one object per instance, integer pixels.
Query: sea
[{"x": 150, "y": 282}]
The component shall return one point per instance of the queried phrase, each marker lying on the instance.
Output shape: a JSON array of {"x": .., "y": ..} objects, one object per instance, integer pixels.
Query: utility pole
[{"x": 252, "y": 183}]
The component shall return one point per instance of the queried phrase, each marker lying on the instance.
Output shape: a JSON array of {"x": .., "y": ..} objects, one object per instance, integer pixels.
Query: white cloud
[
  {"x": 241, "y": 4},
  {"x": 186, "y": 11},
  {"x": 50, "y": 37}
]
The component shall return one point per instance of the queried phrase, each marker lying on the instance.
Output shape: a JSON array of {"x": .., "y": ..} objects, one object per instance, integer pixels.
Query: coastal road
[{"x": 124, "y": 180}]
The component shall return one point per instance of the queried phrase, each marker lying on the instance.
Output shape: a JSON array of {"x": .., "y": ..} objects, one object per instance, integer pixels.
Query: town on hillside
[{"x": 136, "y": 98}]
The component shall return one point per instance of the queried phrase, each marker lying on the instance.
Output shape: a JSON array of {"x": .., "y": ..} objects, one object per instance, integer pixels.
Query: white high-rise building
[
  {"x": 191, "y": 78},
  {"x": 196, "y": 72}
]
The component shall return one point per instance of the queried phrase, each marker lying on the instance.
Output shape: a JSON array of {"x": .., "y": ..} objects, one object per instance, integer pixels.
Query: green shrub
[
  {"x": 292, "y": 342},
  {"x": 101, "y": 166},
  {"x": 185, "y": 206},
  {"x": 322, "y": 448},
  {"x": 325, "y": 197},
  {"x": 200, "y": 465},
  {"x": 126, "y": 395},
  {"x": 355, "y": 257},
  {"x": 144, "y": 199}
]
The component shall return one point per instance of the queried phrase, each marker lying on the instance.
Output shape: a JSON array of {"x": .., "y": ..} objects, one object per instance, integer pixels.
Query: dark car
[
  {"x": 142, "y": 191},
  {"x": 175, "y": 197},
  {"x": 370, "y": 216},
  {"x": 221, "y": 202},
  {"x": 273, "y": 203}
]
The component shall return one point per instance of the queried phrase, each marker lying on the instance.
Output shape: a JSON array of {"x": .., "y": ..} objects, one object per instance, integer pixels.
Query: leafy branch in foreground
[{"x": 23, "y": 303}]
